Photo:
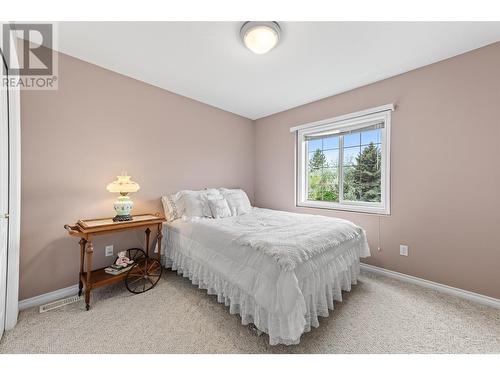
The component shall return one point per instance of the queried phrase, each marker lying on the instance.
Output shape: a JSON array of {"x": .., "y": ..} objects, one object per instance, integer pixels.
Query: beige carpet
[{"x": 380, "y": 315}]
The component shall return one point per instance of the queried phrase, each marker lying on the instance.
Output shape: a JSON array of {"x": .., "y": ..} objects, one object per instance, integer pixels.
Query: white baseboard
[
  {"x": 471, "y": 296},
  {"x": 48, "y": 297}
]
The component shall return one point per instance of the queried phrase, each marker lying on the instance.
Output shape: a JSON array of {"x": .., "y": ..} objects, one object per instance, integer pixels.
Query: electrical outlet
[
  {"x": 109, "y": 250},
  {"x": 403, "y": 250}
]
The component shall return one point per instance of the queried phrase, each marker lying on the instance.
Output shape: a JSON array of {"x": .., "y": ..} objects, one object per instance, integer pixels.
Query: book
[
  {"x": 118, "y": 267},
  {"x": 116, "y": 271}
]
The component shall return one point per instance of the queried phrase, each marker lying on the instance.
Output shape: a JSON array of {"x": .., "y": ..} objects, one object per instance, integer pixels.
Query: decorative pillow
[
  {"x": 211, "y": 191},
  {"x": 206, "y": 195},
  {"x": 172, "y": 206},
  {"x": 237, "y": 200},
  {"x": 219, "y": 208},
  {"x": 237, "y": 205},
  {"x": 195, "y": 203}
]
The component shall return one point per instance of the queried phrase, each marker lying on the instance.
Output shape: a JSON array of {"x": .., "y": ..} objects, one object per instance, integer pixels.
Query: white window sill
[{"x": 359, "y": 207}]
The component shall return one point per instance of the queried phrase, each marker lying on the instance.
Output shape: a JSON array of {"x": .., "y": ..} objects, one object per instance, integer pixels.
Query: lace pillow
[
  {"x": 172, "y": 206},
  {"x": 219, "y": 208}
]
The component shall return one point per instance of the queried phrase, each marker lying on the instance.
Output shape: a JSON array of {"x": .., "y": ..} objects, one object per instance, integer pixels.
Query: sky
[{"x": 353, "y": 145}]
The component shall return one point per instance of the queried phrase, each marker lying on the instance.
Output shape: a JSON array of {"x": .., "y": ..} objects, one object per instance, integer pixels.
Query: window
[{"x": 343, "y": 163}]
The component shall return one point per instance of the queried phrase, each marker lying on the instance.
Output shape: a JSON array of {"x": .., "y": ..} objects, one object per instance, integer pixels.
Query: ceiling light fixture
[{"x": 260, "y": 37}]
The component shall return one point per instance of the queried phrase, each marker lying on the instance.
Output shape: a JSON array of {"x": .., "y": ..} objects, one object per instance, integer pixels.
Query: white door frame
[{"x": 13, "y": 248}]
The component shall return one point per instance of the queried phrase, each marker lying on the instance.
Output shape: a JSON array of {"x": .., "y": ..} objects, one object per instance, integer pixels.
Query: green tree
[
  {"x": 349, "y": 184},
  {"x": 324, "y": 185},
  {"x": 318, "y": 161},
  {"x": 323, "y": 180},
  {"x": 363, "y": 180}
]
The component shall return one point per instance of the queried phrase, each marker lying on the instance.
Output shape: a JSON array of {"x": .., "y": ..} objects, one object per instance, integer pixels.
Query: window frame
[{"x": 337, "y": 125}]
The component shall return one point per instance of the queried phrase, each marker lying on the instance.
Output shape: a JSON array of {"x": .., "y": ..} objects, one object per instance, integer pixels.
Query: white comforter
[
  {"x": 289, "y": 238},
  {"x": 272, "y": 257}
]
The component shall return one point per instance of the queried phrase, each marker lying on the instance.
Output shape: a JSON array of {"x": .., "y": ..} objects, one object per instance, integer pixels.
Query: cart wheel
[{"x": 143, "y": 275}]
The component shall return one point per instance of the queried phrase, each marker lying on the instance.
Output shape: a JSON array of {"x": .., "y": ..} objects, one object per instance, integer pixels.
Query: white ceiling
[{"x": 206, "y": 61}]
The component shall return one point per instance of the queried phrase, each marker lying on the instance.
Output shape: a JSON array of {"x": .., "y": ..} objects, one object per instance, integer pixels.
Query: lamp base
[
  {"x": 122, "y": 218},
  {"x": 123, "y": 206}
]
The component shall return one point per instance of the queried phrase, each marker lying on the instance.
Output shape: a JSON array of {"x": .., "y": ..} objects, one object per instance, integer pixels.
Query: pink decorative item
[{"x": 123, "y": 260}]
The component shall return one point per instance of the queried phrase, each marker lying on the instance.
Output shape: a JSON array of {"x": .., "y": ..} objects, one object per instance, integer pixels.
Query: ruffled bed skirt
[{"x": 319, "y": 291}]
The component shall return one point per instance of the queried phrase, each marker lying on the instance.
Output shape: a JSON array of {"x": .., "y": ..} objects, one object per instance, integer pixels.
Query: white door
[{"x": 4, "y": 194}]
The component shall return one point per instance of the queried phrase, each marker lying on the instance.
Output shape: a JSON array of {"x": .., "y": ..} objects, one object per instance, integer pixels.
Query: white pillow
[
  {"x": 219, "y": 208},
  {"x": 195, "y": 203},
  {"x": 172, "y": 206},
  {"x": 206, "y": 195},
  {"x": 237, "y": 204},
  {"x": 237, "y": 200}
]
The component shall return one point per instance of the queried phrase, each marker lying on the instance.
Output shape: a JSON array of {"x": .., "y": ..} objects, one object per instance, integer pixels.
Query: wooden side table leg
[
  {"x": 159, "y": 236},
  {"x": 148, "y": 232},
  {"x": 88, "y": 286},
  {"x": 83, "y": 242}
]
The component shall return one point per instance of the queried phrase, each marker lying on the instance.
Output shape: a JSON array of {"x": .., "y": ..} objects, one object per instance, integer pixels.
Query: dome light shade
[
  {"x": 123, "y": 184},
  {"x": 260, "y": 37}
]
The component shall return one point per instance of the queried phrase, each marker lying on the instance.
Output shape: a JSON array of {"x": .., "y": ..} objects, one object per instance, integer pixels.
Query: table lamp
[{"x": 123, "y": 204}]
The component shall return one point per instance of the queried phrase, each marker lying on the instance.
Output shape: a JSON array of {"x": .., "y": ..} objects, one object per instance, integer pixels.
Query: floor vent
[{"x": 59, "y": 303}]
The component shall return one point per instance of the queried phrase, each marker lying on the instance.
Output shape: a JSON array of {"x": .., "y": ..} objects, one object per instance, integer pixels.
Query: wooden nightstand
[{"x": 87, "y": 229}]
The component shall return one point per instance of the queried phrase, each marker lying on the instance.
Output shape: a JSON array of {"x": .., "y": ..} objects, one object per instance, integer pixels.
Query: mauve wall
[
  {"x": 445, "y": 165},
  {"x": 445, "y": 169},
  {"x": 77, "y": 139}
]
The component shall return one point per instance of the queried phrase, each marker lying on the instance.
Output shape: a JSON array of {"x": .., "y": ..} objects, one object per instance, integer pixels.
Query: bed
[{"x": 278, "y": 270}]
